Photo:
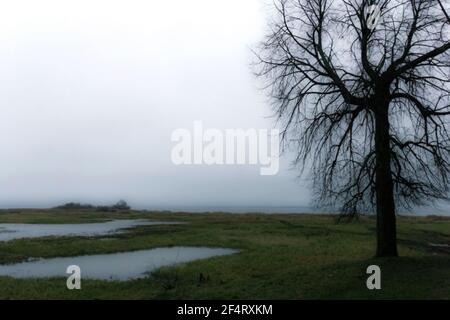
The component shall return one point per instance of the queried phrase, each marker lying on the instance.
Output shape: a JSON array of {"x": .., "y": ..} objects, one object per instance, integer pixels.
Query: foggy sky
[{"x": 90, "y": 92}]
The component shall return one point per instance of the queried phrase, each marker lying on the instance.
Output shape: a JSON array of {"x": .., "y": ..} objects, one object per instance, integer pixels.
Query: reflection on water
[
  {"x": 118, "y": 266},
  {"x": 10, "y": 231}
]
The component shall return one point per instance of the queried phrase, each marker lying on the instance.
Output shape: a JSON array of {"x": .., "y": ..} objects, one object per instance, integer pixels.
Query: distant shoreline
[
  {"x": 425, "y": 211},
  {"x": 288, "y": 210}
]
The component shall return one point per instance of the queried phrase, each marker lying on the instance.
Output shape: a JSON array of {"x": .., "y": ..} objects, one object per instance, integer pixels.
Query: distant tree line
[{"x": 119, "y": 206}]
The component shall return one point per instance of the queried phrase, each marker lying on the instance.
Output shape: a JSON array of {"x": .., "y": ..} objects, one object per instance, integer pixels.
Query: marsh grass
[{"x": 281, "y": 257}]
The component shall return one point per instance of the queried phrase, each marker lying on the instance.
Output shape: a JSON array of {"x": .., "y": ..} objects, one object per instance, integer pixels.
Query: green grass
[{"x": 281, "y": 257}]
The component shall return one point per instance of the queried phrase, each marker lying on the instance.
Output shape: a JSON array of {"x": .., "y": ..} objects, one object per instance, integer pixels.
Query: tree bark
[{"x": 386, "y": 216}]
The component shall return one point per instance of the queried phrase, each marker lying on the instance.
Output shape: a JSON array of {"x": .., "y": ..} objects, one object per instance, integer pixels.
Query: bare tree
[{"x": 366, "y": 106}]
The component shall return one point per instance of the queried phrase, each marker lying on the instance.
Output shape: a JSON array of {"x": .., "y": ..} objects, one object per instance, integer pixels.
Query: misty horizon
[{"x": 89, "y": 107}]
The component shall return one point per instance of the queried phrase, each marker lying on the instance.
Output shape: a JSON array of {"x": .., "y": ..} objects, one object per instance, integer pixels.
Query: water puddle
[
  {"x": 118, "y": 266},
  {"x": 439, "y": 245},
  {"x": 11, "y": 231}
]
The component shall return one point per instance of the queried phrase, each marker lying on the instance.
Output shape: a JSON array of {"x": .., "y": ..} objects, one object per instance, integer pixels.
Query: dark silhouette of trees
[
  {"x": 121, "y": 205},
  {"x": 366, "y": 106}
]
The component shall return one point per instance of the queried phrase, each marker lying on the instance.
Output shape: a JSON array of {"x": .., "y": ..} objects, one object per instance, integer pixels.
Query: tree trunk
[{"x": 386, "y": 219}]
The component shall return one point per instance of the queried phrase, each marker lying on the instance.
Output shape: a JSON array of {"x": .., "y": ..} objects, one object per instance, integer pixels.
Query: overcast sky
[{"x": 91, "y": 90}]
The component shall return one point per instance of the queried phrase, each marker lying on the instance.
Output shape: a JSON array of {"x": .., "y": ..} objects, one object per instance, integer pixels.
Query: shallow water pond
[
  {"x": 10, "y": 231},
  {"x": 118, "y": 266}
]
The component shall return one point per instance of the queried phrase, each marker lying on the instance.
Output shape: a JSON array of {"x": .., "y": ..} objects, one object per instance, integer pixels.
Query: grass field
[{"x": 281, "y": 257}]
